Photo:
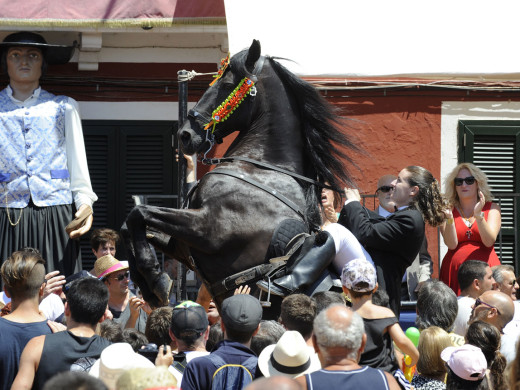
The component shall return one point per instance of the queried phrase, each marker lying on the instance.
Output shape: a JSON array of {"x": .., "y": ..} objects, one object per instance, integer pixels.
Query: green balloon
[{"x": 413, "y": 334}]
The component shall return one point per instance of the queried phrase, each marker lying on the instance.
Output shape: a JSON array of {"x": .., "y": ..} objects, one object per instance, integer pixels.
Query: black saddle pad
[{"x": 283, "y": 234}]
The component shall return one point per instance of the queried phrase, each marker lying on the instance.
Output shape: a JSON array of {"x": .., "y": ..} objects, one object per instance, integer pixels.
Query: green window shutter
[{"x": 493, "y": 146}]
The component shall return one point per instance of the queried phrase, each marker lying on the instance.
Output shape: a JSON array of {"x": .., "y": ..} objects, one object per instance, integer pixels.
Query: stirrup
[{"x": 266, "y": 303}]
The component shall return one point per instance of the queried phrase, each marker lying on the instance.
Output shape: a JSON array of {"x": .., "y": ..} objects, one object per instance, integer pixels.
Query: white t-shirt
[
  {"x": 463, "y": 314},
  {"x": 347, "y": 246}
]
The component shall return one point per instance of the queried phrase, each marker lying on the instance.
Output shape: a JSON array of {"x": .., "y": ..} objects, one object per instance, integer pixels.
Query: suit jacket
[{"x": 393, "y": 243}]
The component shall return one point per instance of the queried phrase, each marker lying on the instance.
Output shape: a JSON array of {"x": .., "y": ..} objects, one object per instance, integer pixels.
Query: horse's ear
[{"x": 253, "y": 55}]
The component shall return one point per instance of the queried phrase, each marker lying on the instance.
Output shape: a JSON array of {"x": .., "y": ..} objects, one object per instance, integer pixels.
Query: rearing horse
[{"x": 289, "y": 139}]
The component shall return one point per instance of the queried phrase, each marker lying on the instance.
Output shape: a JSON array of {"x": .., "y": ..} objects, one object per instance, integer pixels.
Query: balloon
[{"x": 413, "y": 334}]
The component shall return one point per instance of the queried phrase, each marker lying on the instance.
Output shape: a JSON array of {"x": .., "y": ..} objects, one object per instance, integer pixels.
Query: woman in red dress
[{"x": 472, "y": 225}]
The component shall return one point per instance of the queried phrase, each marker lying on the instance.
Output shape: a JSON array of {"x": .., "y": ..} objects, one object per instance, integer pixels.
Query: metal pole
[{"x": 182, "y": 77}]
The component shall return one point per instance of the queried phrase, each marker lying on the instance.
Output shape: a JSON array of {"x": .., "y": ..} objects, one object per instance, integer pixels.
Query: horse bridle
[{"x": 244, "y": 88}]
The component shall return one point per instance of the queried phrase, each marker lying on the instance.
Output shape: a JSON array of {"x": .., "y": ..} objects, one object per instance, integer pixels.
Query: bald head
[
  {"x": 277, "y": 382},
  {"x": 505, "y": 309},
  {"x": 385, "y": 199},
  {"x": 339, "y": 334}
]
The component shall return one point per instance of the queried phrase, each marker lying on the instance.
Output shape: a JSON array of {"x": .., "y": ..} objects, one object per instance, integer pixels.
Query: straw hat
[
  {"x": 146, "y": 378},
  {"x": 115, "y": 360},
  {"x": 290, "y": 356},
  {"x": 107, "y": 265}
]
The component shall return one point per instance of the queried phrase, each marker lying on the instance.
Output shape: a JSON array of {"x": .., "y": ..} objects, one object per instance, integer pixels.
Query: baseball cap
[
  {"x": 359, "y": 275},
  {"x": 189, "y": 319},
  {"x": 467, "y": 361},
  {"x": 241, "y": 312}
]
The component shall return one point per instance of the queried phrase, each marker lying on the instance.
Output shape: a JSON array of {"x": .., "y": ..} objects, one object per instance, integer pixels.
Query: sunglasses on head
[
  {"x": 122, "y": 276},
  {"x": 459, "y": 180},
  {"x": 385, "y": 189},
  {"x": 478, "y": 302}
]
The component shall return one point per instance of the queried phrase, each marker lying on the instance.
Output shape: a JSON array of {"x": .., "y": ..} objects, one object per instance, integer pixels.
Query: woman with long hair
[
  {"x": 394, "y": 242},
  {"x": 487, "y": 338},
  {"x": 472, "y": 224}
]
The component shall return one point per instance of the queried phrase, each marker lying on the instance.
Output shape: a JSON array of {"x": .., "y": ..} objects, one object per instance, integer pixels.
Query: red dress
[{"x": 470, "y": 247}]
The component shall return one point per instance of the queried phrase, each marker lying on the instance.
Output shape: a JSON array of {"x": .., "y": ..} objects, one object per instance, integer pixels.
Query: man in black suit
[{"x": 394, "y": 242}]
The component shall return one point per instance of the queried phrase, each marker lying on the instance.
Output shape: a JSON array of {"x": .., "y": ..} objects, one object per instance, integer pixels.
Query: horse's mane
[
  {"x": 320, "y": 126},
  {"x": 321, "y": 129}
]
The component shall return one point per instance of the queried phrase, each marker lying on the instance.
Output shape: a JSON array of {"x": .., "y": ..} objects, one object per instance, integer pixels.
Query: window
[
  {"x": 493, "y": 146},
  {"x": 127, "y": 158}
]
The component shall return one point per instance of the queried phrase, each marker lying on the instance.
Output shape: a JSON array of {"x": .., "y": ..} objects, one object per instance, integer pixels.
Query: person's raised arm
[
  {"x": 448, "y": 232},
  {"x": 488, "y": 229}
]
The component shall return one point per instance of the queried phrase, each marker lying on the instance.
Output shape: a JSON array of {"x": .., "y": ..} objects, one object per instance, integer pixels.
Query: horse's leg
[
  {"x": 180, "y": 224},
  {"x": 135, "y": 274}
]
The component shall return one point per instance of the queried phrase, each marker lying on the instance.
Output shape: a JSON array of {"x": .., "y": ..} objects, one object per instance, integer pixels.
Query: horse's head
[{"x": 226, "y": 106}]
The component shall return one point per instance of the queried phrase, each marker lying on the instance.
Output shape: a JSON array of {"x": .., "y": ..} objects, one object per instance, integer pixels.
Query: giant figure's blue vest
[{"x": 33, "y": 157}]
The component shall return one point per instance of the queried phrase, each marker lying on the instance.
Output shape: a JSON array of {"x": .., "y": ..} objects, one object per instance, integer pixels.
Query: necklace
[{"x": 467, "y": 222}]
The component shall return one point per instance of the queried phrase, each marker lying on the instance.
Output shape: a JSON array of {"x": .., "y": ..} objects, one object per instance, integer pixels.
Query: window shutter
[
  {"x": 126, "y": 158},
  {"x": 493, "y": 147}
]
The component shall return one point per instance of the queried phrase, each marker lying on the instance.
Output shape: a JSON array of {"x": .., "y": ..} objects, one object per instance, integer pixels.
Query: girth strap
[
  {"x": 250, "y": 275},
  {"x": 214, "y": 161},
  {"x": 265, "y": 188}
]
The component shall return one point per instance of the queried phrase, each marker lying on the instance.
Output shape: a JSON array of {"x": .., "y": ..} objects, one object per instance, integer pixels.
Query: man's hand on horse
[
  {"x": 352, "y": 194},
  {"x": 245, "y": 289}
]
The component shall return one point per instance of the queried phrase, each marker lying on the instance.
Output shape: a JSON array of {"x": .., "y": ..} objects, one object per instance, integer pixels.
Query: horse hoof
[{"x": 162, "y": 288}]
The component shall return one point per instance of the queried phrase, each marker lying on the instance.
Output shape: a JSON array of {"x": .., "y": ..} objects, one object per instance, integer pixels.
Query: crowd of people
[{"x": 66, "y": 328}]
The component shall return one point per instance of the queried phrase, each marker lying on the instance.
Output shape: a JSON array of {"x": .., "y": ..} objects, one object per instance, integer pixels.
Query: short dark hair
[
  {"x": 158, "y": 326},
  {"x": 135, "y": 338},
  {"x": 87, "y": 299},
  {"x": 469, "y": 271},
  {"x": 23, "y": 273},
  {"x": 241, "y": 337},
  {"x": 102, "y": 236},
  {"x": 436, "y": 306},
  {"x": 324, "y": 299},
  {"x": 74, "y": 380},
  {"x": 297, "y": 313},
  {"x": 111, "y": 330}
]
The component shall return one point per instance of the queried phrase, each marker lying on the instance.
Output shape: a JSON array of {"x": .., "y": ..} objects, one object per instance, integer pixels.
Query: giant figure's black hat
[{"x": 54, "y": 54}]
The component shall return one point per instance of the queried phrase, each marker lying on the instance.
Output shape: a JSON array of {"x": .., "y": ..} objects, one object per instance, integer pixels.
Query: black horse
[{"x": 289, "y": 142}]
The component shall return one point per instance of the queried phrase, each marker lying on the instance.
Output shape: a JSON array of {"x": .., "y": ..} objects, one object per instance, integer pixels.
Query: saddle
[{"x": 289, "y": 243}]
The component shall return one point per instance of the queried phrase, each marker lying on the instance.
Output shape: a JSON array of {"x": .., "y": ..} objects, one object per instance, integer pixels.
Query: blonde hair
[
  {"x": 477, "y": 173},
  {"x": 432, "y": 342}
]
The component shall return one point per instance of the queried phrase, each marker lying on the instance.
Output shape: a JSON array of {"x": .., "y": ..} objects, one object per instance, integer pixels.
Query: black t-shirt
[{"x": 63, "y": 351}]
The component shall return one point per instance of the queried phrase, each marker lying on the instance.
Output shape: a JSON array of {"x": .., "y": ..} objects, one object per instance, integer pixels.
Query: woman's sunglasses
[
  {"x": 385, "y": 189},
  {"x": 459, "y": 180}
]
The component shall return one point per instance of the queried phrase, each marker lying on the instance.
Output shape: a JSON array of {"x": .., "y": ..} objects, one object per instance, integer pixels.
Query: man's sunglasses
[
  {"x": 459, "y": 180},
  {"x": 385, "y": 189},
  {"x": 119, "y": 278},
  {"x": 478, "y": 302}
]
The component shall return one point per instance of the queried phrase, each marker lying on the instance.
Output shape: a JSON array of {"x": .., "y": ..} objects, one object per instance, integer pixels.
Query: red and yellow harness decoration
[
  {"x": 223, "y": 65},
  {"x": 228, "y": 106}
]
